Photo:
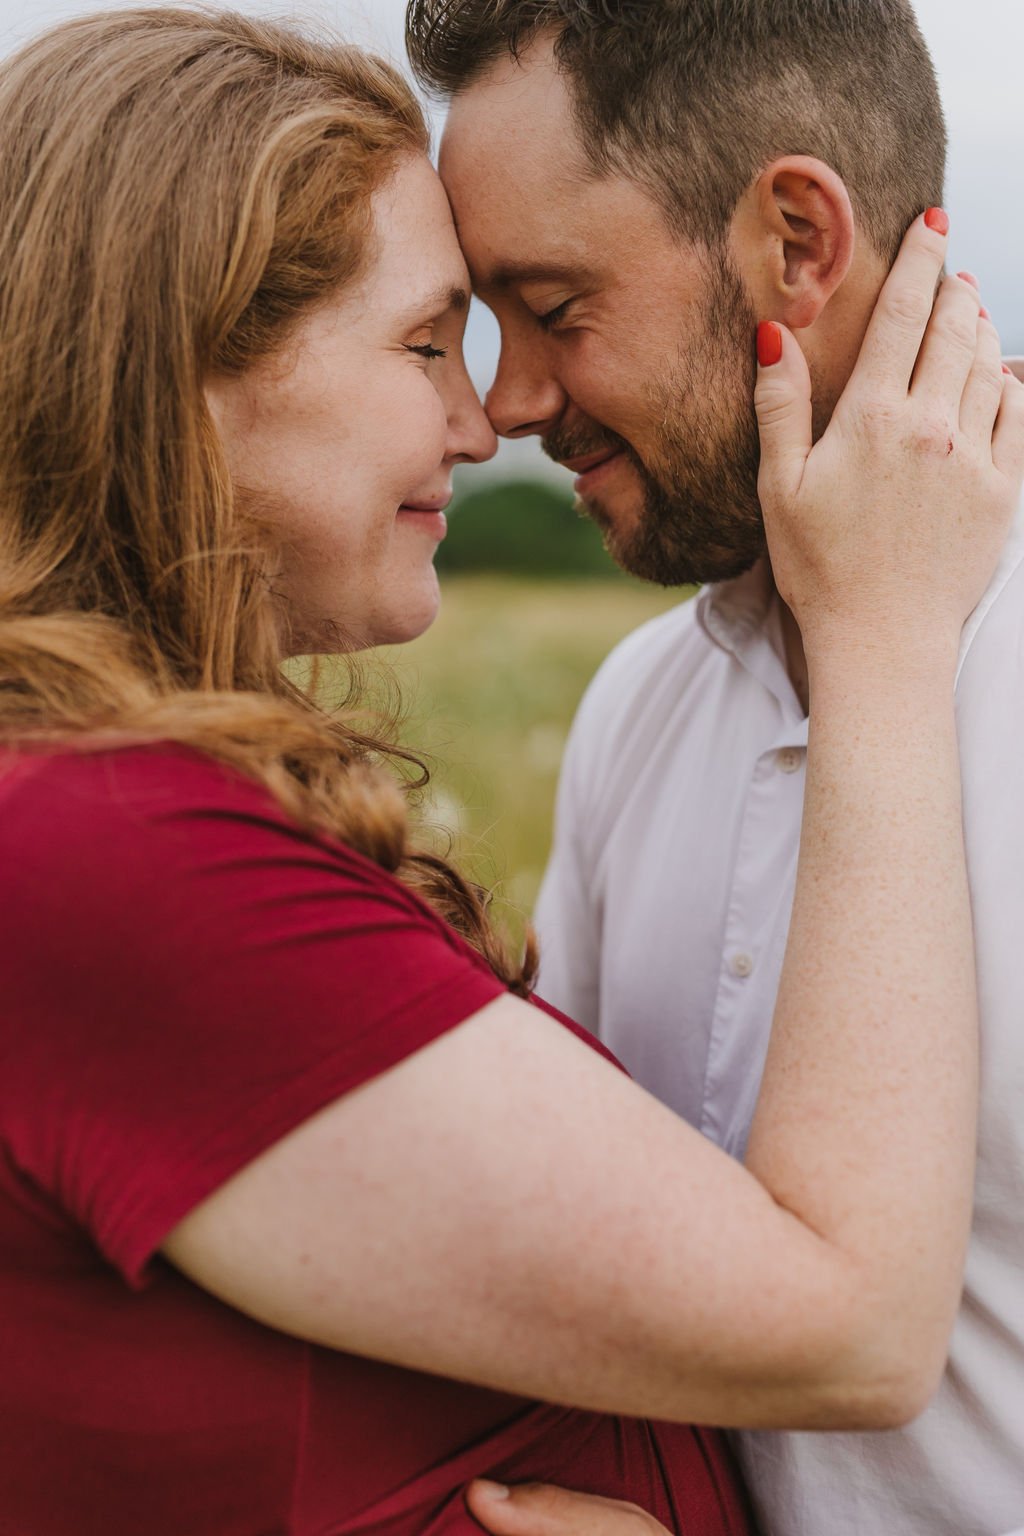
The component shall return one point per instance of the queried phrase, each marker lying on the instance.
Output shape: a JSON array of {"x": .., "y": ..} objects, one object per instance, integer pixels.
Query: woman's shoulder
[
  {"x": 165, "y": 800},
  {"x": 60, "y": 783},
  {"x": 188, "y": 977},
  {"x": 155, "y": 846}
]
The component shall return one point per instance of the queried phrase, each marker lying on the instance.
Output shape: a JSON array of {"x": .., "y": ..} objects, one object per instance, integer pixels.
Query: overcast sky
[{"x": 979, "y": 52}]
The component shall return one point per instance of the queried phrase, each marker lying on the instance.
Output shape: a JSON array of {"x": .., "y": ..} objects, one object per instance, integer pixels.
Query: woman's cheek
[{"x": 435, "y": 433}]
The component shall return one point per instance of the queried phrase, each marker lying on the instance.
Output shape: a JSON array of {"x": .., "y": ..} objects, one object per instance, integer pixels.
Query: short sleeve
[{"x": 187, "y": 978}]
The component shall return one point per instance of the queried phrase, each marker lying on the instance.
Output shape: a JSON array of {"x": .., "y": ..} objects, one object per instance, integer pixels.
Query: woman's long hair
[{"x": 178, "y": 187}]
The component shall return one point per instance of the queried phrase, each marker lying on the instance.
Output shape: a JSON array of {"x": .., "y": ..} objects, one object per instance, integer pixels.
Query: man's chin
[
  {"x": 619, "y": 518},
  {"x": 662, "y": 548}
]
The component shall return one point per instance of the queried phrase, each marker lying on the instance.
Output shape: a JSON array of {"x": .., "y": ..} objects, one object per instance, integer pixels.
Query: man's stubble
[{"x": 700, "y": 518}]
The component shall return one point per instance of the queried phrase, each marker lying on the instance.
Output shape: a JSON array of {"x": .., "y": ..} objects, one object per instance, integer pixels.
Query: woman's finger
[
  {"x": 1008, "y": 438},
  {"x": 536, "y": 1509},
  {"x": 949, "y": 350},
  {"x": 783, "y": 402},
  {"x": 983, "y": 394},
  {"x": 893, "y": 340}
]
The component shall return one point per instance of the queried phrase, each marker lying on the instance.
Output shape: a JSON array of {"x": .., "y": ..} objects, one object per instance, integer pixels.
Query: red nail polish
[
  {"x": 1008, "y": 371},
  {"x": 983, "y": 312},
  {"x": 769, "y": 344},
  {"x": 969, "y": 277},
  {"x": 937, "y": 219}
]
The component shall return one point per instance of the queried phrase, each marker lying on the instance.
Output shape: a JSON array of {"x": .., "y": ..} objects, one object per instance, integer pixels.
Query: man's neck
[{"x": 796, "y": 661}]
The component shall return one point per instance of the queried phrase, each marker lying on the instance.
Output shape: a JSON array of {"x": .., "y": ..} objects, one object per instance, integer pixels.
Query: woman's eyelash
[
  {"x": 428, "y": 351},
  {"x": 550, "y": 320}
]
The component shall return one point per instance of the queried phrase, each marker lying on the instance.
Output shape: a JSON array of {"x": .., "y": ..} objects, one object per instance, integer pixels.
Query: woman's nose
[{"x": 471, "y": 438}]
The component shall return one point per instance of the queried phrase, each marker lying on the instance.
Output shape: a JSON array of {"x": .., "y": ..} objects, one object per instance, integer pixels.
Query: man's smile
[{"x": 588, "y": 468}]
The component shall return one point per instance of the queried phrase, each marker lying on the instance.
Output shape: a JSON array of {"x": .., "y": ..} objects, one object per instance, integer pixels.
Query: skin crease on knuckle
[
  {"x": 908, "y": 308},
  {"x": 957, "y": 328}
]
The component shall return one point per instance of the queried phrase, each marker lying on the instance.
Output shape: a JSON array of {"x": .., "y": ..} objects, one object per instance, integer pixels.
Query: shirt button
[
  {"x": 742, "y": 965},
  {"x": 789, "y": 760}
]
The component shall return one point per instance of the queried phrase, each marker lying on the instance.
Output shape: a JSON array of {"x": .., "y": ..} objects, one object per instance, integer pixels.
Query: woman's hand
[
  {"x": 889, "y": 528},
  {"x": 535, "y": 1509}
]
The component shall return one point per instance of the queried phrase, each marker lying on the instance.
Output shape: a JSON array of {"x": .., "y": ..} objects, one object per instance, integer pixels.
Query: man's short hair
[{"x": 693, "y": 98}]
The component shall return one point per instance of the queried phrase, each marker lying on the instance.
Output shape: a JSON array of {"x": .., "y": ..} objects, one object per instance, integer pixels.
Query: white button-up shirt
[{"x": 663, "y": 922}]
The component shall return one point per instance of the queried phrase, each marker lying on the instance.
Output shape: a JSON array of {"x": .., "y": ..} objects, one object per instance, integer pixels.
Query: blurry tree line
[{"x": 522, "y": 528}]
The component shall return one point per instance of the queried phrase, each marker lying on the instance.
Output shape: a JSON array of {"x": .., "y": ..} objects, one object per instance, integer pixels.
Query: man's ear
[{"x": 793, "y": 236}]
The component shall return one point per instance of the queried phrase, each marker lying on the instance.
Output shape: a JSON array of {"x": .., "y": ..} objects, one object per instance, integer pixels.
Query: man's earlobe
[{"x": 795, "y": 226}]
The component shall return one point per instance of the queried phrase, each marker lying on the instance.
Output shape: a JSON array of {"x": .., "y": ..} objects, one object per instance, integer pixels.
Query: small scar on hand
[{"x": 950, "y": 449}]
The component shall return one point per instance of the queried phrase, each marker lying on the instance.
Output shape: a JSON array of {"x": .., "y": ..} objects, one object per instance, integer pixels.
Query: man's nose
[{"x": 525, "y": 399}]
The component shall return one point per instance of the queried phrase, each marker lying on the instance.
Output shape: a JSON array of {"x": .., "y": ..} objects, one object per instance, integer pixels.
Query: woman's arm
[{"x": 506, "y": 1208}]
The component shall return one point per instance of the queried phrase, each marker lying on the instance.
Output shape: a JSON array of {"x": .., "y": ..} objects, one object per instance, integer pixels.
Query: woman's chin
[
  {"x": 405, "y": 618},
  {"x": 410, "y": 621}
]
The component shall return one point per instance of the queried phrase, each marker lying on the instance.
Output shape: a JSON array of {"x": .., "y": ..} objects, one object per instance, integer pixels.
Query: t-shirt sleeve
[{"x": 187, "y": 978}]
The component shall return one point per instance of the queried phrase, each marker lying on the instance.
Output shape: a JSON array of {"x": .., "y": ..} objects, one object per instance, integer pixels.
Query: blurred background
[{"x": 531, "y": 602}]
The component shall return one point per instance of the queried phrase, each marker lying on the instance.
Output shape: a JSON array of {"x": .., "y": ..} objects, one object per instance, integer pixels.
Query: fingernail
[
  {"x": 937, "y": 219},
  {"x": 769, "y": 344},
  {"x": 969, "y": 277},
  {"x": 492, "y": 1490},
  {"x": 983, "y": 312},
  {"x": 1008, "y": 371}
]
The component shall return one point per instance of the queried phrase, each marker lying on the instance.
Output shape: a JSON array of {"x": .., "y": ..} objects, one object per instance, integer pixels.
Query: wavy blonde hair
[{"x": 178, "y": 187}]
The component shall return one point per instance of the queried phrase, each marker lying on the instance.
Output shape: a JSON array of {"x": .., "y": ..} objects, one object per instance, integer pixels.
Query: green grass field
[{"x": 491, "y": 691}]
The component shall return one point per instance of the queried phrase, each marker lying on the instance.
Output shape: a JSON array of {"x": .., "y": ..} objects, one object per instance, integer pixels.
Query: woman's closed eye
[{"x": 427, "y": 350}]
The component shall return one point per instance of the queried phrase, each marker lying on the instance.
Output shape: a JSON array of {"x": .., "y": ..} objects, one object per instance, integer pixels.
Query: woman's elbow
[{"x": 888, "y": 1382}]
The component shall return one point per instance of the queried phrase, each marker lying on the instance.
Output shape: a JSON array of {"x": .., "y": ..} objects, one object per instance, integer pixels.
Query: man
[{"x": 636, "y": 183}]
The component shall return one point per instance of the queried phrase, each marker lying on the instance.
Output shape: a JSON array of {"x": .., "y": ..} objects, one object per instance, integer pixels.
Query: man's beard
[{"x": 701, "y": 518}]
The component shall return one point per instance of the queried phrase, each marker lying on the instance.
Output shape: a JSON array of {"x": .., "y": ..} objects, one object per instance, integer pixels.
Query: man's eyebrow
[
  {"x": 440, "y": 302},
  {"x": 512, "y": 274}
]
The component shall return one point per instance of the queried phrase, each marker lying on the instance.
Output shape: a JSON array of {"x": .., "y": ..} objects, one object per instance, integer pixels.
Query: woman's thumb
[
  {"x": 783, "y": 402},
  {"x": 537, "y": 1509},
  {"x": 528, "y": 1510}
]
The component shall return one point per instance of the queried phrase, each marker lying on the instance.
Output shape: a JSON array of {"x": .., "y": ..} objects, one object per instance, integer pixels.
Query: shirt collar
[
  {"x": 731, "y": 613},
  {"x": 741, "y": 617},
  {"x": 1013, "y": 554}
]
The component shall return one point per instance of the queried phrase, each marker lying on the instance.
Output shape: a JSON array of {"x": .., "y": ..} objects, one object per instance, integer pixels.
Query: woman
[{"x": 307, "y": 1210}]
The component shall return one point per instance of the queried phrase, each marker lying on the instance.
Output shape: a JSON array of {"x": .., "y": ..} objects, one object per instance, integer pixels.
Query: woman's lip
[
  {"x": 587, "y": 479},
  {"x": 431, "y": 519}
]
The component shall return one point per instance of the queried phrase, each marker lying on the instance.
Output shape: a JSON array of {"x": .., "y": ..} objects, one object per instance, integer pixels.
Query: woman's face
[{"x": 347, "y": 441}]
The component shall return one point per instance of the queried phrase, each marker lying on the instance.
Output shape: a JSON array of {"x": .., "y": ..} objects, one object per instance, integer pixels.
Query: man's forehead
[
  {"x": 518, "y": 116},
  {"x": 520, "y": 226},
  {"x": 529, "y": 206},
  {"x": 526, "y": 87}
]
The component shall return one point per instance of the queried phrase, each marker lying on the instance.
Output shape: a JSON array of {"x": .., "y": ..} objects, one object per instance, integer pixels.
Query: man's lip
[
  {"x": 426, "y": 506},
  {"x": 583, "y": 465}
]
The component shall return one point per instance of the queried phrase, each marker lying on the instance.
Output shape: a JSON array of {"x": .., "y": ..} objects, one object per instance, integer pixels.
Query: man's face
[{"x": 630, "y": 353}]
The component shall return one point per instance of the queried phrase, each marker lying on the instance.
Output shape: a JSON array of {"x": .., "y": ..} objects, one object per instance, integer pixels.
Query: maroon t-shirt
[{"x": 185, "y": 978}]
